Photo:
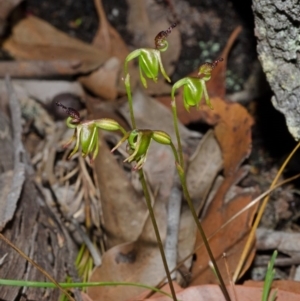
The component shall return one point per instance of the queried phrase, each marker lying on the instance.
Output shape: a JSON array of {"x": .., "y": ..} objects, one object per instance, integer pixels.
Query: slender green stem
[
  {"x": 199, "y": 226},
  {"x": 175, "y": 153},
  {"x": 175, "y": 120},
  {"x": 129, "y": 96},
  {"x": 202, "y": 233},
  {"x": 123, "y": 130},
  {"x": 20, "y": 283},
  {"x": 269, "y": 278},
  {"x": 158, "y": 239}
]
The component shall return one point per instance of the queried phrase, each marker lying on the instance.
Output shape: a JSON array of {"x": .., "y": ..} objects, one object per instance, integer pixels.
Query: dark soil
[{"x": 79, "y": 19}]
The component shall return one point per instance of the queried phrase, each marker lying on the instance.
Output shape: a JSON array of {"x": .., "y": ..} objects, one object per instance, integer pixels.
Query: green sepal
[
  {"x": 161, "y": 67},
  {"x": 177, "y": 85},
  {"x": 207, "y": 99},
  {"x": 88, "y": 139},
  {"x": 148, "y": 62},
  {"x": 161, "y": 137},
  {"x": 107, "y": 124},
  {"x": 124, "y": 138},
  {"x": 192, "y": 92},
  {"x": 132, "y": 55},
  {"x": 75, "y": 136}
]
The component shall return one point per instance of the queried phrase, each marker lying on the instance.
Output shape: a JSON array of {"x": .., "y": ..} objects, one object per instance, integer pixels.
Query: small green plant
[
  {"x": 195, "y": 87},
  {"x": 66, "y": 285},
  {"x": 269, "y": 279},
  {"x": 193, "y": 90},
  {"x": 138, "y": 140},
  {"x": 149, "y": 64}
]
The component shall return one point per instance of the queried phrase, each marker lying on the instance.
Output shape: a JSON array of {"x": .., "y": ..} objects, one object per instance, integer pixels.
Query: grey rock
[{"x": 277, "y": 28}]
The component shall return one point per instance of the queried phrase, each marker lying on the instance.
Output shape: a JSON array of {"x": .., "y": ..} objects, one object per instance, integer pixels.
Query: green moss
[{"x": 233, "y": 82}]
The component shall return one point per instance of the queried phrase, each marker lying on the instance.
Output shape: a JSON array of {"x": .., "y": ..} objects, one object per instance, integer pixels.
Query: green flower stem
[
  {"x": 158, "y": 239},
  {"x": 20, "y": 283},
  {"x": 123, "y": 130},
  {"x": 199, "y": 226},
  {"x": 175, "y": 120},
  {"x": 175, "y": 153},
  {"x": 129, "y": 96}
]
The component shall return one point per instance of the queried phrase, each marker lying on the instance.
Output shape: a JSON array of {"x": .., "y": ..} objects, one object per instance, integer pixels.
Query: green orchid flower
[
  {"x": 86, "y": 132},
  {"x": 149, "y": 59},
  {"x": 195, "y": 87},
  {"x": 138, "y": 144}
]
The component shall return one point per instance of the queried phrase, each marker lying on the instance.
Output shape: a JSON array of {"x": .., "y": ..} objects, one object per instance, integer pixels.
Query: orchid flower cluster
[
  {"x": 139, "y": 140},
  {"x": 86, "y": 136},
  {"x": 150, "y": 63}
]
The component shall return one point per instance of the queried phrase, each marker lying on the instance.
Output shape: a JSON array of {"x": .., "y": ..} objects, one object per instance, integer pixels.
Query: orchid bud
[
  {"x": 107, "y": 124},
  {"x": 161, "y": 137}
]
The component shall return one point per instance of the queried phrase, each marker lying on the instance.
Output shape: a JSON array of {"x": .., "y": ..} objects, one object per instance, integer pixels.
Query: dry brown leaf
[
  {"x": 85, "y": 297},
  {"x": 203, "y": 167},
  {"x": 45, "y": 90},
  {"x": 232, "y": 128},
  {"x": 12, "y": 180},
  {"x": 145, "y": 20},
  {"x": 283, "y": 285},
  {"x": 38, "y": 68},
  {"x": 132, "y": 262},
  {"x": 215, "y": 86},
  {"x": 104, "y": 81},
  {"x": 213, "y": 293},
  {"x": 7, "y": 7},
  {"x": 33, "y": 38},
  {"x": 124, "y": 212},
  {"x": 165, "y": 288},
  {"x": 202, "y": 170},
  {"x": 139, "y": 261},
  {"x": 233, "y": 131},
  {"x": 230, "y": 239},
  {"x": 107, "y": 38}
]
